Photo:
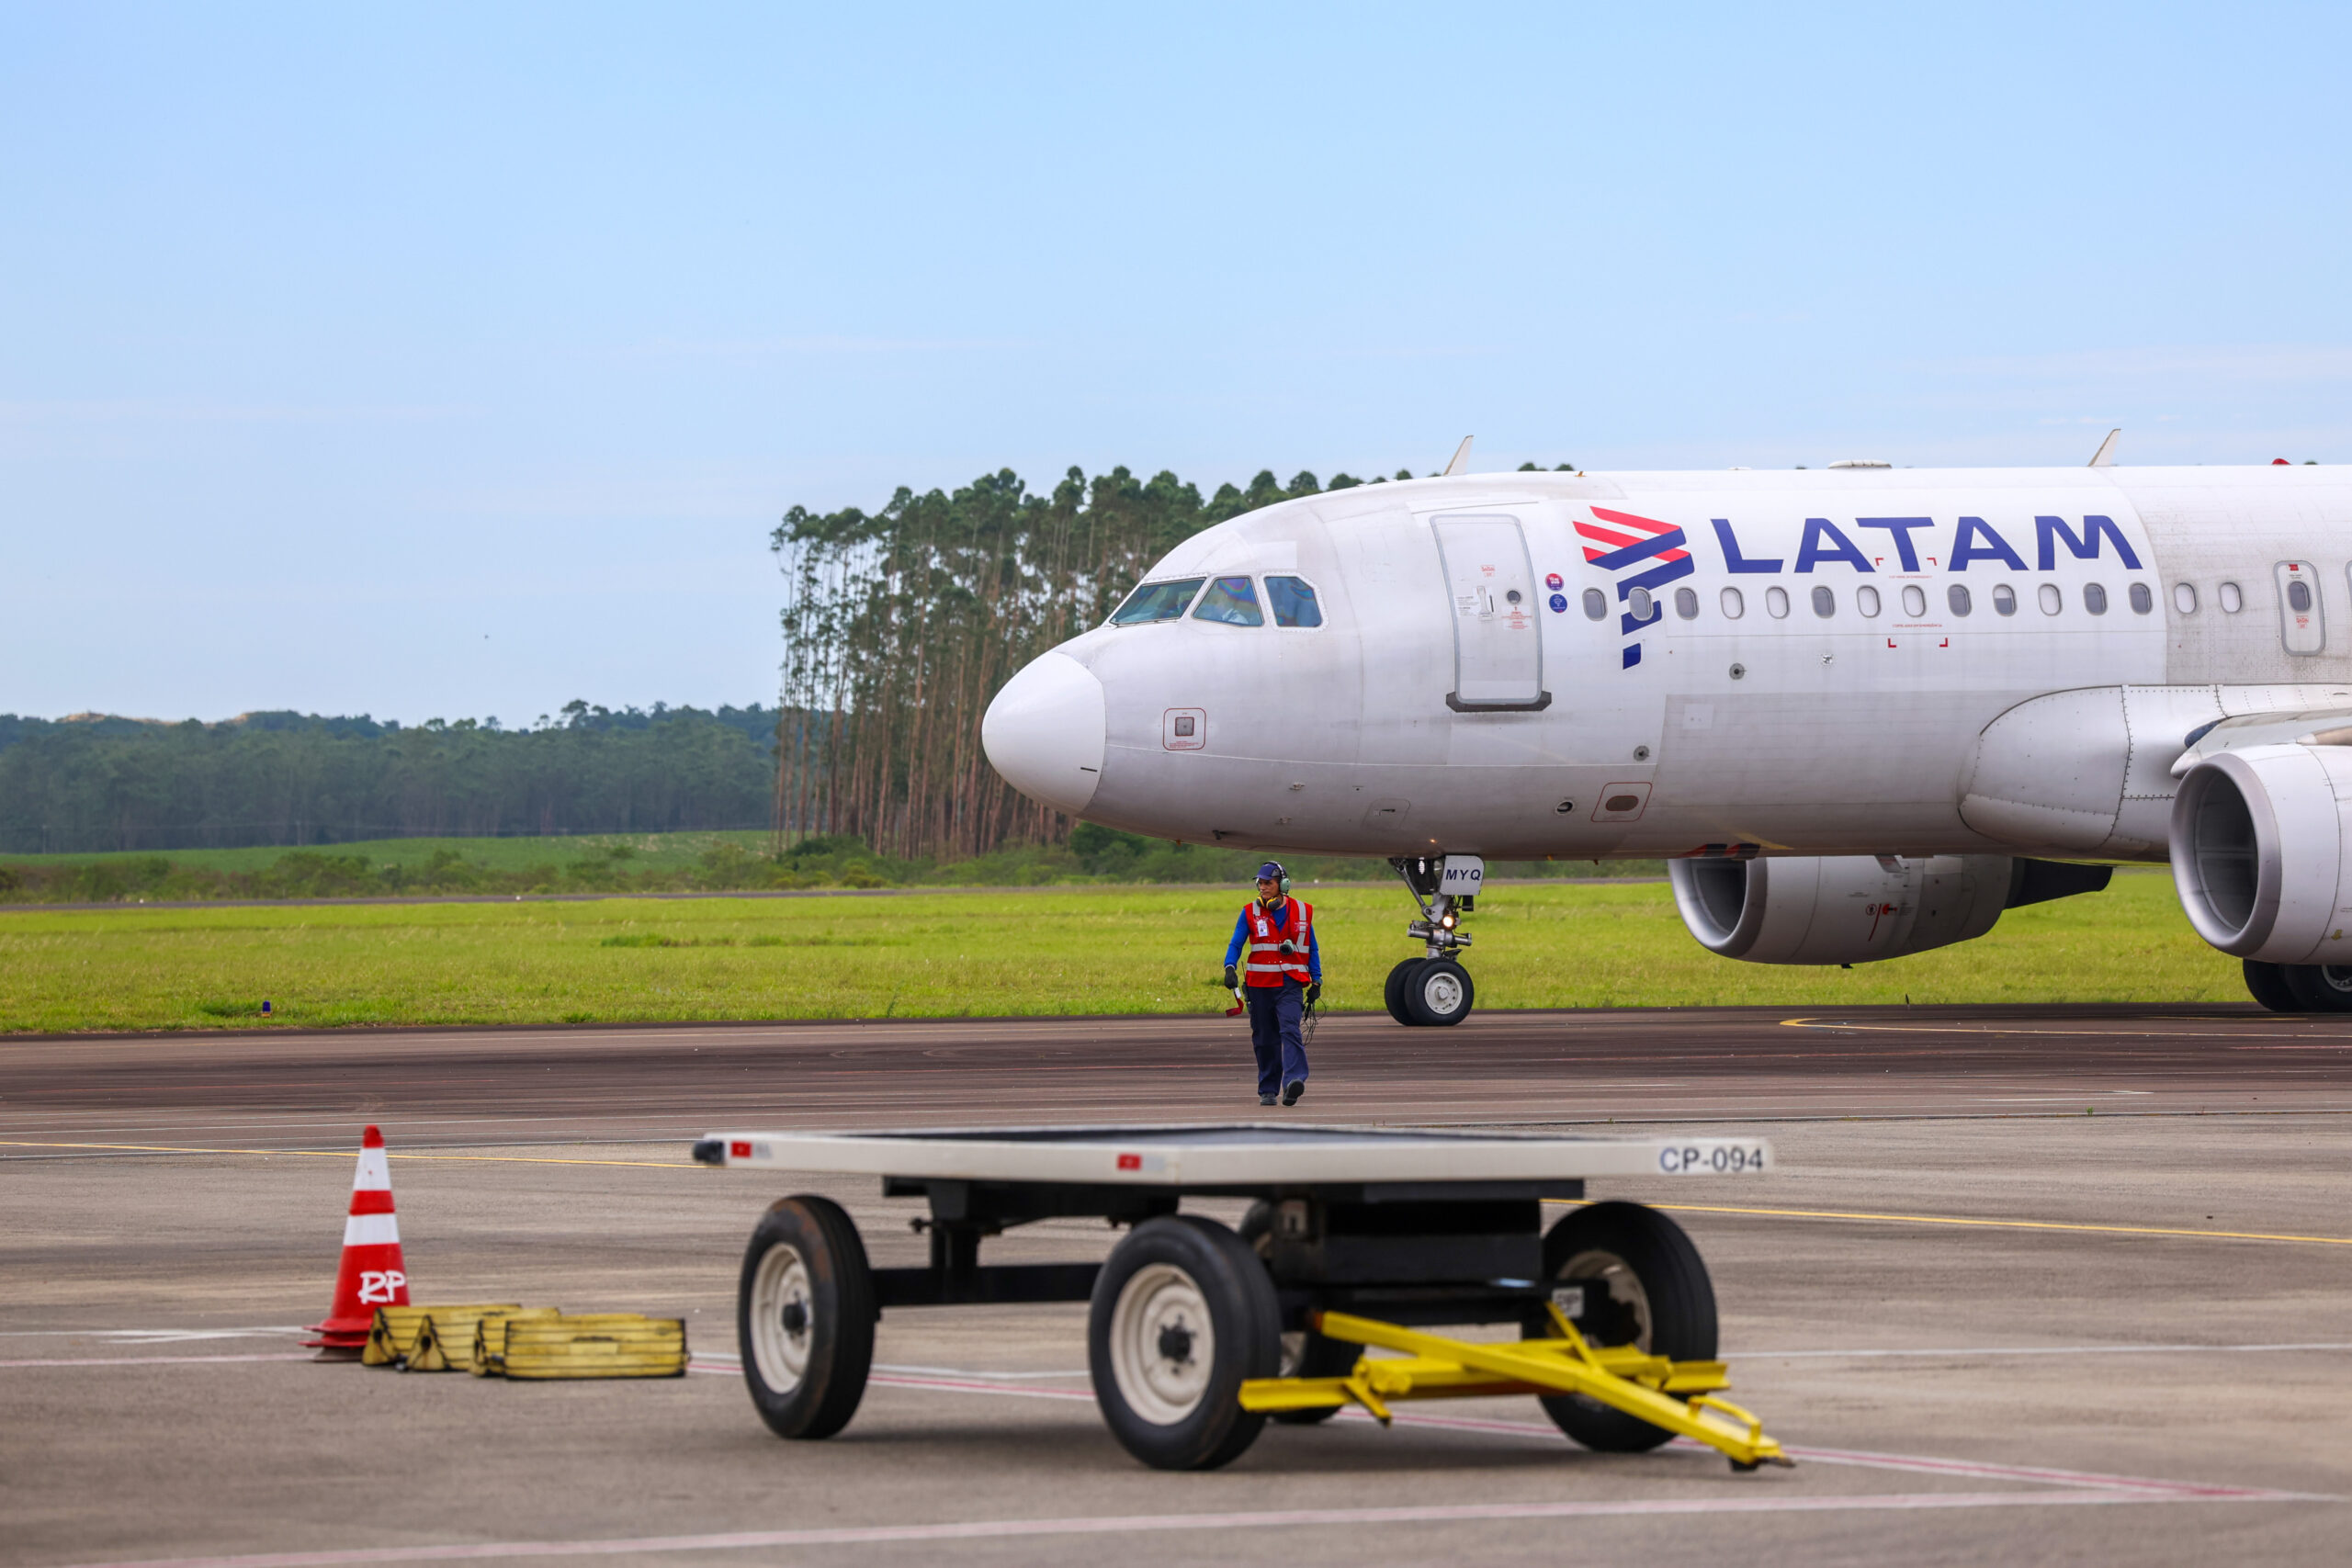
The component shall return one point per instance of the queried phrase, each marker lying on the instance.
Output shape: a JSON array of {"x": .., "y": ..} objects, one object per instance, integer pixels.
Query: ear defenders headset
[{"x": 1273, "y": 868}]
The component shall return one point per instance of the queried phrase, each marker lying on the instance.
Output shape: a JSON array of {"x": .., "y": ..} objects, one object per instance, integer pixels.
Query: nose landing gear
[{"x": 1435, "y": 989}]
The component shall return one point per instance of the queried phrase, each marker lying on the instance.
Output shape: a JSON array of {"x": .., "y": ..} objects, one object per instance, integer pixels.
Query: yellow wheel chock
[{"x": 1433, "y": 1366}]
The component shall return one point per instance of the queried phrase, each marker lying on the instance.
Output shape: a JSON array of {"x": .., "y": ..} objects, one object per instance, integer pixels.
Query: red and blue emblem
[{"x": 1631, "y": 540}]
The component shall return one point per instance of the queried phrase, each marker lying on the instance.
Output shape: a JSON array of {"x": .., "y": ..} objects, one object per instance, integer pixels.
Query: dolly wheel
[
  {"x": 2320, "y": 987},
  {"x": 1645, "y": 1285},
  {"x": 1305, "y": 1354},
  {"x": 2267, "y": 983},
  {"x": 804, "y": 1316},
  {"x": 1183, "y": 1313},
  {"x": 1393, "y": 993},
  {"x": 1439, "y": 993}
]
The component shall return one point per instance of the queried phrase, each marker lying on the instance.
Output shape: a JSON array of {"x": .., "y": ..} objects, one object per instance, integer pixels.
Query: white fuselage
[{"x": 1430, "y": 713}]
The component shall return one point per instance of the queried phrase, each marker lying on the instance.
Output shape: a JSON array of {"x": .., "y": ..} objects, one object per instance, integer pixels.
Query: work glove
[
  {"x": 1314, "y": 993},
  {"x": 1232, "y": 979}
]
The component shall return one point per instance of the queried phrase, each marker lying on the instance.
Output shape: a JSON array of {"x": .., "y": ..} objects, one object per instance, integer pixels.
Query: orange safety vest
[{"x": 1268, "y": 964}]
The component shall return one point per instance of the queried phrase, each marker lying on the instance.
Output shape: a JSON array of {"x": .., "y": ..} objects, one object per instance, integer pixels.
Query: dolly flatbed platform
[
  {"x": 1197, "y": 1334},
  {"x": 1250, "y": 1157}
]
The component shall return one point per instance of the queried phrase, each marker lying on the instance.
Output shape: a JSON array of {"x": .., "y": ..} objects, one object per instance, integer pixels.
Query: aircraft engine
[
  {"x": 2262, "y": 853},
  {"x": 1857, "y": 908}
]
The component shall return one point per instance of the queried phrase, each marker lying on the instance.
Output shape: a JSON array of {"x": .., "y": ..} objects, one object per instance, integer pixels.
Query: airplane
[{"x": 1861, "y": 711}]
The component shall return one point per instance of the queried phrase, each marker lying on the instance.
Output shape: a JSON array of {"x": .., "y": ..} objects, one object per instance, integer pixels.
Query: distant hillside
[{"x": 97, "y": 782}]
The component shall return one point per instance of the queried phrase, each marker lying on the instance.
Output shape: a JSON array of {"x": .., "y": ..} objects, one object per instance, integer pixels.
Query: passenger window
[
  {"x": 1156, "y": 601},
  {"x": 1734, "y": 605},
  {"x": 2143, "y": 601},
  {"x": 2050, "y": 599},
  {"x": 1866, "y": 599},
  {"x": 2005, "y": 599},
  {"x": 1776, "y": 603},
  {"x": 1641, "y": 606},
  {"x": 2299, "y": 598},
  {"x": 1596, "y": 604},
  {"x": 2094, "y": 597},
  {"x": 1825, "y": 603},
  {"x": 1914, "y": 600},
  {"x": 1231, "y": 601},
  {"x": 1686, "y": 604},
  {"x": 1293, "y": 602},
  {"x": 2233, "y": 599},
  {"x": 2183, "y": 598},
  {"x": 1957, "y": 597}
]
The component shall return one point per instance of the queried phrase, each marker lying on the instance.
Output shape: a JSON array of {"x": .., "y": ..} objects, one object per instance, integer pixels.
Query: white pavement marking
[
  {"x": 2040, "y": 1351},
  {"x": 149, "y": 1336},
  {"x": 1148, "y": 1524},
  {"x": 155, "y": 1361}
]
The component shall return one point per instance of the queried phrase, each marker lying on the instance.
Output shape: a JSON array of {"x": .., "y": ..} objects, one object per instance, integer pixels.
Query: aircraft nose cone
[{"x": 1044, "y": 732}]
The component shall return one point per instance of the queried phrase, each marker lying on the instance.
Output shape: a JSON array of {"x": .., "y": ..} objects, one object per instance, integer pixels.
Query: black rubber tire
[
  {"x": 1304, "y": 1354},
  {"x": 1245, "y": 1324},
  {"x": 1674, "y": 1289},
  {"x": 2267, "y": 983},
  {"x": 1394, "y": 993},
  {"x": 2320, "y": 987},
  {"x": 1454, "y": 995},
  {"x": 838, "y": 1316}
]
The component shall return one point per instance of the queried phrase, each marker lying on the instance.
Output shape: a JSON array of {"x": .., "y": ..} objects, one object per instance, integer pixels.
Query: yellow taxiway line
[{"x": 1988, "y": 1225}]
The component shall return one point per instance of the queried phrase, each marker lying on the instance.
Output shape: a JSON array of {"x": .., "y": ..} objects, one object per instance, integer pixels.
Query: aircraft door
[
  {"x": 2302, "y": 622},
  {"x": 1490, "y": 588}
]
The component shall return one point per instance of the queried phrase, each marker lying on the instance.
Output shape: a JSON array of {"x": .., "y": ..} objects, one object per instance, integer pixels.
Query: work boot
[
  {"x": 1292, "y": 1090},
  {"x": 1265, "y": 1100}
]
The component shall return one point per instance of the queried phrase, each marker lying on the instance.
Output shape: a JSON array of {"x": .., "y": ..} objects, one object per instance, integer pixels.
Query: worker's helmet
[{"x": 1273, "y": 868}]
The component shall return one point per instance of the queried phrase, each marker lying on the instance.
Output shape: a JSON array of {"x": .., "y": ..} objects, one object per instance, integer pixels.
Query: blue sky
[{"x": 458, "y": 361}]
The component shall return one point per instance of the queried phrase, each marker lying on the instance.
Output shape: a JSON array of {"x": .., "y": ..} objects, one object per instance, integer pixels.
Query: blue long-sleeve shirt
[{"x": 1234, "y": 949}]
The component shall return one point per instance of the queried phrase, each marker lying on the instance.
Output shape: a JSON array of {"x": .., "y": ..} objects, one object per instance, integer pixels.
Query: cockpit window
[
  {"x": 1155, "y": 601},
  {"x": 1232, "y": 600},
  {"x": 1292, "y": 599}
]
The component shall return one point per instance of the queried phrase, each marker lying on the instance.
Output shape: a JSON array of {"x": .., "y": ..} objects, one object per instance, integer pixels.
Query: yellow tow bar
[{"x": 1433, "y": 1366}]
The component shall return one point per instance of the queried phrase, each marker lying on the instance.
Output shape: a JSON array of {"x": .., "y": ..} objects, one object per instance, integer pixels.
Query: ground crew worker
[{"x": 1284, "y": 975}]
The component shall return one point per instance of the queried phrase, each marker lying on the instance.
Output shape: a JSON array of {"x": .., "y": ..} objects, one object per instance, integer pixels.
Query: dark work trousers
[{"x": 1274, "y": 1013}]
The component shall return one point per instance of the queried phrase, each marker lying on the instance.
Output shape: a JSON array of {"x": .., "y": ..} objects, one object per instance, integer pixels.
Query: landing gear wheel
[
  {"x": 1305, "y": 1354},
  {"x": 2320, "y": 987},
  {"x": 1439, "y": 993},
  {"x": 804, "y": 1317},
  {"x": 2267, "y": 983},
  {"x": 1183, "y": 1313},
  {"x": 1399, "y": 979},
  {"x": 1658, "y": 1298}
]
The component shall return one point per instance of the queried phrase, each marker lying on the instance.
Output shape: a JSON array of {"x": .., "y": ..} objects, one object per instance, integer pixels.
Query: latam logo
[
  {"x": 1632, "y": 541},
  {"x": 1659, "y": 550}
]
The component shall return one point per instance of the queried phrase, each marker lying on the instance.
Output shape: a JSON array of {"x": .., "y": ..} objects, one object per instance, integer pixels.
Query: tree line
[
  {"x": 898, "y": 626},
  {"x": 100, "y": 783}
]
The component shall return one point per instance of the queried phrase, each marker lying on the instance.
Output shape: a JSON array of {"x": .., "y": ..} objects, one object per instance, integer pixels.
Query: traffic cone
[{"x": 372, "y": 1274}]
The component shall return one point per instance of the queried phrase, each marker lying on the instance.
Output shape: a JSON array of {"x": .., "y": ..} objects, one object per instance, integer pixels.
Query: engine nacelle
[
  {"x": 2261, "y": 849},
  {"x": 1858, "y": 909}
]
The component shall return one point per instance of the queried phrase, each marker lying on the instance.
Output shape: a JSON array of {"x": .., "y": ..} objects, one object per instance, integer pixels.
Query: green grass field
[
  {"x": 649, "y": 851},
  {"x": 1108, "y": 950}
]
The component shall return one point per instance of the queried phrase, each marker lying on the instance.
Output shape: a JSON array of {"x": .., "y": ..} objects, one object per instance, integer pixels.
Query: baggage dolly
[{"x": 1357, "y": 1239}]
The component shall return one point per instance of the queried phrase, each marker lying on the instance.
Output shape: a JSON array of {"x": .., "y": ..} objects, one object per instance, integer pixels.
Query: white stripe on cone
[{"x": 371, "y": 1230}]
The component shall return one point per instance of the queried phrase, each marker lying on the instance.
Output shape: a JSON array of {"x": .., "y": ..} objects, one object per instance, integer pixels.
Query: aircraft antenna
[
  {"x": 1460, "y": 457},
  {"x": 2104, "y": 457}
]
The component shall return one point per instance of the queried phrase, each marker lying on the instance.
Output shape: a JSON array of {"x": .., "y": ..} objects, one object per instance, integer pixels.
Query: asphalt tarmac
[{"x": 2034, "y": 1285}]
